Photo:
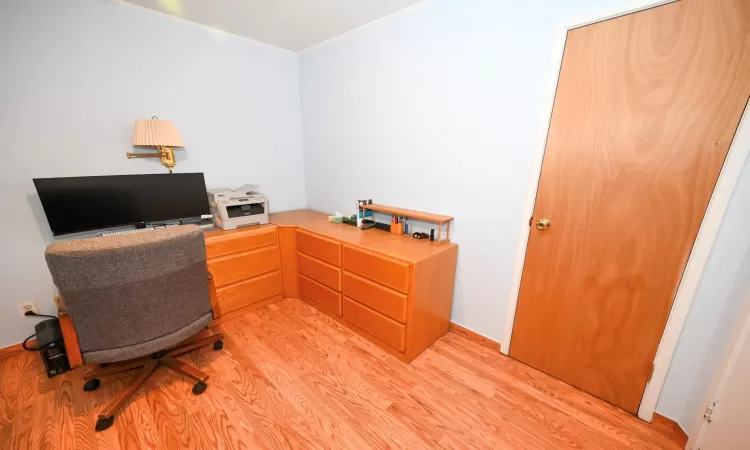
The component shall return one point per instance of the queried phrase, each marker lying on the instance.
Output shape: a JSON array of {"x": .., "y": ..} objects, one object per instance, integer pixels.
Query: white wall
[
  {"x": 724, "y": 286},
  {"x": 439, "y": 108},
  {"x": 74, "y": 76}
]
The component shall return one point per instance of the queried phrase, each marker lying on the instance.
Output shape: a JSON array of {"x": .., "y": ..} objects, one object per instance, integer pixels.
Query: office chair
[{"x": 137, "y": 300}]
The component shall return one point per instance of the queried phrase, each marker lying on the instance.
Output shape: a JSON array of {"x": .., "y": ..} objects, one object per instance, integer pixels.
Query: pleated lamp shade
[{"x": 156, "y": 133}]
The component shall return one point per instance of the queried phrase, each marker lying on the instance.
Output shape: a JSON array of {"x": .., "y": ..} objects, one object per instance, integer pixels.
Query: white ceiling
[{"x": 291, "y": 24}]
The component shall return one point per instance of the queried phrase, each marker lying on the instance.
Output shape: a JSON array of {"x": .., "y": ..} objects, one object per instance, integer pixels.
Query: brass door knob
[{"x": 543, "y": 224}]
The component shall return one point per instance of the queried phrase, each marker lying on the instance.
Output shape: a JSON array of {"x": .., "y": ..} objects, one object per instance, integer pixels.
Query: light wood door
[{"x": 645, "y": 110}]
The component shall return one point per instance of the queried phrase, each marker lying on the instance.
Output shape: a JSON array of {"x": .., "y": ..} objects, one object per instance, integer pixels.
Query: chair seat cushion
[{"x": 148, "y": 347}]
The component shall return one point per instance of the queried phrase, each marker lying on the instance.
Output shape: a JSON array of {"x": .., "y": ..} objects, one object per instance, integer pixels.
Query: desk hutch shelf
[{"x": 438, "y": 219}]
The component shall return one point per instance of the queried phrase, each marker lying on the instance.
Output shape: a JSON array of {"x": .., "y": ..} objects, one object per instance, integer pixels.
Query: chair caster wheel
[
  {"x": 199, "y": 388},
  {"x": 218, "y": 345},
  {"x": 103, "y": 424},
  {"x": 91, "y": 385}
]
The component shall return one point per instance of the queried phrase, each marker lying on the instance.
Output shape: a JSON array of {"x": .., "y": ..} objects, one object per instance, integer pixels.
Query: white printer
[{"x": 236, "y": 208}]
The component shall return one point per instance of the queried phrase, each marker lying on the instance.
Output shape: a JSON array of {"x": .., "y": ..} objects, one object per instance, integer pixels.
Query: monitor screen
[{"x": 78, "y": 204}]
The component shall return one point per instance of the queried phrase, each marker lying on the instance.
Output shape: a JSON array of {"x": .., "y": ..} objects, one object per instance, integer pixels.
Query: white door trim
[{"x": 701, "y": 247}]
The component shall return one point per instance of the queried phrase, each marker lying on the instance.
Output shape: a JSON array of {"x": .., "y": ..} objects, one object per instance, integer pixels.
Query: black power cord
[{"x": 33, "y": 314}]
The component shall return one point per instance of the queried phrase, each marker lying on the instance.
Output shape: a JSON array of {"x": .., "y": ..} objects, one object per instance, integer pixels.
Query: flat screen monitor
[{"x": 77, "y": 204}]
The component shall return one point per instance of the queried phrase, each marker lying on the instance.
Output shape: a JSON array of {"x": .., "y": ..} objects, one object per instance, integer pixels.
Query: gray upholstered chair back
[{"x": 133, "y": 294}]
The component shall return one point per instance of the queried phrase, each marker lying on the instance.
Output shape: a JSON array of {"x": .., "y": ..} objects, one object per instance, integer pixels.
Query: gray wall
[
  {"x": 74, "y": 76},
  {"x": 439, "y": 108}
]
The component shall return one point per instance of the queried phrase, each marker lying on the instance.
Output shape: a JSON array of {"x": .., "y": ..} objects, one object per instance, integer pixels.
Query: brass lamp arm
[
  {"x": 143, "y": 155},
  {"x": 165, "y": 153}
]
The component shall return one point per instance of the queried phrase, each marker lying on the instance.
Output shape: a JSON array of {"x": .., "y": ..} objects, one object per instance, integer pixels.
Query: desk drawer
[
  {"x": 239, "y": 242},
  {"x": 241, "y": 266},
  {"x": 247, "y": 292},
  {"x": 323, "y": 296},
  {"x": 390, "y": 272},
  {"x": 378, "y": 325},
  {"x": 319, "y": 271},
  {"x": 376, "y": 296},
  {"x": 322, "y": 248}
]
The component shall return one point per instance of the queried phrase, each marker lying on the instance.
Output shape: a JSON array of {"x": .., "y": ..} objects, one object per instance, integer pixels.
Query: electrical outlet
[{"x": 28, "y": 306}]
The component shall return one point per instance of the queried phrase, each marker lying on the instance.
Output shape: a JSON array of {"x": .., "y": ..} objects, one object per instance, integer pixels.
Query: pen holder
[{"x": 397, "y": 228}]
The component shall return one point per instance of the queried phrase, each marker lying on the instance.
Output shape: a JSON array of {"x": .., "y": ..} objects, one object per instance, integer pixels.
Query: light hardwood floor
[{"x": 290, "y": 377}]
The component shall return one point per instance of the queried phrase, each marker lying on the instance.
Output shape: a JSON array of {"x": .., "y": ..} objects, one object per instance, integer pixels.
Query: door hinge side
[
  {"x": 651, "y": 373},
  {"x": 709, "y": 412}
]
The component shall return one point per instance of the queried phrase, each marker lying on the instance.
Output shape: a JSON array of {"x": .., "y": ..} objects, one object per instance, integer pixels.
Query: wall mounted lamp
[{"x": 160, "y": 134}]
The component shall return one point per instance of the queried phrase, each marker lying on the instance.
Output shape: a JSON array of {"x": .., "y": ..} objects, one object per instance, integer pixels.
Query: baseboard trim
[
  {"x": 14, "y": 349},
  {"x": 670, "y": 428},
  {"x": 474, "y": 337}
]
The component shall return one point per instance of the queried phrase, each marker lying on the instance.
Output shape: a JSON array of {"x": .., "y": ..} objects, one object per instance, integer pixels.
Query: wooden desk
[
  {"x": 244, "y": 265},
  {"x": 392, "y": 289}
]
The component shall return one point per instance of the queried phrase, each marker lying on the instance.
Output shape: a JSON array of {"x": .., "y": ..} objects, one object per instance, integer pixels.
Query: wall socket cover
[{"x": 28, "y": 306}]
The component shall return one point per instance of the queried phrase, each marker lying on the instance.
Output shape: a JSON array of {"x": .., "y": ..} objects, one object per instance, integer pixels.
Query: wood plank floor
[{"x": 290, "y": 377}]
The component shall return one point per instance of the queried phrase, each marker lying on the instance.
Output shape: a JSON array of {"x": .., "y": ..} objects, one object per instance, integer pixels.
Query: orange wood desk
[
  {"x": 392, "y": 289},
  {"x": 244, "y": 265}
]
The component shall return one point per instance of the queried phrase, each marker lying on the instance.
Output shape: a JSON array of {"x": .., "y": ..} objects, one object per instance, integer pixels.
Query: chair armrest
[
  {"x": 212, "y": 295},
  {"x": 70, "y": 336}
]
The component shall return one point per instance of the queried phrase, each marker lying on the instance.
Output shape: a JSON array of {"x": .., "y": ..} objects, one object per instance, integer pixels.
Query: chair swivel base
[{"x": 147, "y": 365}]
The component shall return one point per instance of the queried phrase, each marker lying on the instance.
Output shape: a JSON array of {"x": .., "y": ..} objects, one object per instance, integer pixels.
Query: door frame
[{"x": 728, "y": 176}]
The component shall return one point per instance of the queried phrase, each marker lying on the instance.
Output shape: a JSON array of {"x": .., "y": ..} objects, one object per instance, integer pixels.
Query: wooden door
[{"x": 645, "y": 110}]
